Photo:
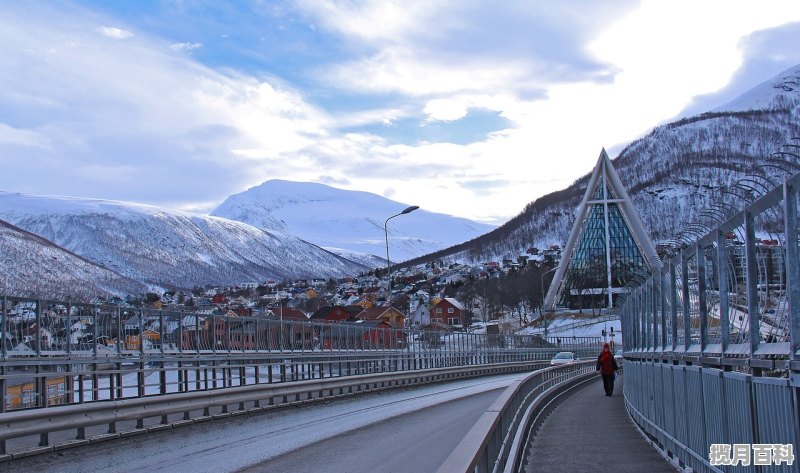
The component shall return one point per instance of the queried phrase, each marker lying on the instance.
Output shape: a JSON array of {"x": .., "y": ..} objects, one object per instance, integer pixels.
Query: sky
[{"x": 469, "y": 108}]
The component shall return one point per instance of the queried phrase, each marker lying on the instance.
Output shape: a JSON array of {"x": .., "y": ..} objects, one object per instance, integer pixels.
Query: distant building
[
  {"x": 419, "y": 316},
  {"x": 607, "y": 246},
  {"x": 448, "y": 311}
]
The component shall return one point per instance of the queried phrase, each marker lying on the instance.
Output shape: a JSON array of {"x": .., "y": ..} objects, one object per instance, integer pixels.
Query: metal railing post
[
  {"x": 792, "y": 272},
  {"x": 753, "y": 316},
  {"x": 701, "y": 295},
  {"x": 673, "y": 292},
  {"x": 722, "y": 284},
  {"x": 687, "y": 307},
  {"x": 662, "y": 292}
]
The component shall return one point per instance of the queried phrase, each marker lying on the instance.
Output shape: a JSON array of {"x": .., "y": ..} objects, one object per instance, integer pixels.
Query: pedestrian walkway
[{"x": 591, "y": 432}]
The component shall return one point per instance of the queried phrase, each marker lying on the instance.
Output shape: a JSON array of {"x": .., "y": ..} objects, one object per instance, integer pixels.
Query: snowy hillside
[
  {"x": 169, "y": 248},
  {"x": 671, "y": 174},
  {"x": 35, "y": 265},
  {"x": 348, "y": 220}
]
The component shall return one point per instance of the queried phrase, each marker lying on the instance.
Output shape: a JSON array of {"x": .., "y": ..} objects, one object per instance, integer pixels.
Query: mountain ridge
[
  {"x": 168, "y": 248},
  {"x": 671, "y": 174},
  {"x": 347, "y": 220}
]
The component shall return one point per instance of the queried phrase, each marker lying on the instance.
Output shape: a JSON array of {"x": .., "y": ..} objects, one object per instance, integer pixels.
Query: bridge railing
[
  {"x": 711, "y": 342},
  {"x": 58, "y": 352},
  {"x": 498, "y": 440},
  {"x": 32, "y": 431}
]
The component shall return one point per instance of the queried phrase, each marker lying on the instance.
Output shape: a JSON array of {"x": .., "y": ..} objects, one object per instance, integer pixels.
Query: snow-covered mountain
[
  {"x": 169, "y": 248},
  {"x": 347, "y": 220},
  {"x": 34, "y": 265},
  {"x": 672, "y": 174}
]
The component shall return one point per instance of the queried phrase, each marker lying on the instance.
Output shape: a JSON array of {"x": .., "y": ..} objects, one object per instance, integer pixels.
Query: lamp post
[
  {"x": 386, "y": 234},
  {"x": 541, "y": 304},
  {"x": 7, "y": 287}
]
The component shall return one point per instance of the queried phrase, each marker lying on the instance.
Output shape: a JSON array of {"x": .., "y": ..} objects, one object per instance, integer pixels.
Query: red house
[
  {"x": 447, "y": 310},
  {"x": 289, "y": 314},
  {"x": 336, "y": 313},
  {"x": 361, "y": 335},
  {"x": 291, "y": 331},
  {"x": 219, "y": 300}
]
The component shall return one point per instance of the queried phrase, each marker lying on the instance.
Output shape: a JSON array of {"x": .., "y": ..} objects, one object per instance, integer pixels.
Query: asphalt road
[
  {"x": 396, "y": 430},
  {"x": 416, "y": 442}
]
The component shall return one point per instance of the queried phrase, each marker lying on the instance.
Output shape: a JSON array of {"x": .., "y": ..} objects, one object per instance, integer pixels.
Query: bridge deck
[{"x": 592, "y": 432}]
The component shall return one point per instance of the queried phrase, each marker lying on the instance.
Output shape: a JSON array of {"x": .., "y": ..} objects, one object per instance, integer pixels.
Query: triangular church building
[{"x": 606, "y": 248}]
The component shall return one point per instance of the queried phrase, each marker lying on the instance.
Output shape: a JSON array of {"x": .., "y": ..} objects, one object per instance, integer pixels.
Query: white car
[{"x": 563, "y": 358}]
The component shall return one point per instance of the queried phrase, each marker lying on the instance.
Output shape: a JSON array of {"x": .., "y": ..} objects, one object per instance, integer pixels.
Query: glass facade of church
[{"x": 586, "y": 282}]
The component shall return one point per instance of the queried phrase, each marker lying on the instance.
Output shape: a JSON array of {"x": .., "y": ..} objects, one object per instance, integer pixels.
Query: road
[{"x": 396, "y": 430}]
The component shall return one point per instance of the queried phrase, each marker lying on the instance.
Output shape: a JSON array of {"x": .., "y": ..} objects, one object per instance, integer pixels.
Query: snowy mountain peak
[
  {"x": 780, "y": 92},
  {"x": 166, "y": 247},
  {"x": 346, "y": 220}
]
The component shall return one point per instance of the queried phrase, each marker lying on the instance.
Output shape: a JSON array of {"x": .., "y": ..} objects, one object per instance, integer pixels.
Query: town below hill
[{"x": 443, "y": 296}]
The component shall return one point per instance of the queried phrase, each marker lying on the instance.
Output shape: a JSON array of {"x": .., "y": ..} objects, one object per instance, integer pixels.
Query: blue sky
[{"x": 463, "y": 107}]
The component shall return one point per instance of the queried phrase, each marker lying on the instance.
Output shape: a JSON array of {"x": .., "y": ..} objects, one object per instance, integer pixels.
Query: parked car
[{"x": 563, "y": 358}]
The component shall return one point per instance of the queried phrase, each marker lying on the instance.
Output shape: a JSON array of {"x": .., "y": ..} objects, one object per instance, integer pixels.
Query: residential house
[
  {"x": 21, "y": 390},
  {"x": 336, "y": 313},
  {"x": 246, "y": 334},
  {"x": 361, "y": 334},
  {"x": 291, "y": 331},
  {"x": 287, "y": 314},
  {"x": 447, "y": 310},
  {"x": 390, "y": 315},
  {"x": 420, "y": 316},
  {"x": 219, "y": 300}
]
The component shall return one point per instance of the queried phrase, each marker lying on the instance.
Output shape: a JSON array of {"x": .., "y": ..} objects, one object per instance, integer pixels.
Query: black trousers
[{"x": 608, "y": 383}]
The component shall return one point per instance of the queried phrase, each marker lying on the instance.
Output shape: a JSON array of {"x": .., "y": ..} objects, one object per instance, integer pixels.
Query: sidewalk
[{"x": 590, "y": 432}]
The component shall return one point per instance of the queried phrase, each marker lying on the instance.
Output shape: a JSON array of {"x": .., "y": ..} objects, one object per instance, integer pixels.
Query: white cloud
[
  {"x": 113, "y": 32},
  {"x": 388, "y": 20},
  {"x": 15, "y": 136},
  {"x": 134, "y": 105},
  {"x": 142, "y": 122},
  {"x": 655, "y": 58},
  {"x": 185, "y": 46}
]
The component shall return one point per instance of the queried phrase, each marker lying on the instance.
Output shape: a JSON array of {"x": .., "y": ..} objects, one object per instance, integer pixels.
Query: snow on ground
[{"x": 569, "y": 324}]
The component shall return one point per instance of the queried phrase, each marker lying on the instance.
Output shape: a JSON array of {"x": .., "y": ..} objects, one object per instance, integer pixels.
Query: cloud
[
  {"x": 115, "y": 118},
  {"x": 185, "y": 46},
  {"x": 113, "y": 32},
  {"x": 532, "y": 89},
  {"x": 373, "y": 21},
  {"x": 765, "y": 53},
  {"x": 15, "y": 136}
]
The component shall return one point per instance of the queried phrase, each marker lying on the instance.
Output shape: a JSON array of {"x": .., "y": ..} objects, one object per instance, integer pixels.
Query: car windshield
[{"x": 563, "y": 355}]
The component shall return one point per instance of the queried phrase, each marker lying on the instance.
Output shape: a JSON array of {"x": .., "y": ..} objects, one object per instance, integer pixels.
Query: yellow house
[
  {"x": 21, "y": 392},
  {"x": 390, "y": 315}
]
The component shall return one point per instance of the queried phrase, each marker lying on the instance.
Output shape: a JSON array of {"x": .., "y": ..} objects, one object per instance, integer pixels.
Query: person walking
[{"x": 607, "y": 366}]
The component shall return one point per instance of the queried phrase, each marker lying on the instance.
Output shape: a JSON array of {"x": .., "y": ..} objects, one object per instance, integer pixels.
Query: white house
[{"x": 419, "y": 317}]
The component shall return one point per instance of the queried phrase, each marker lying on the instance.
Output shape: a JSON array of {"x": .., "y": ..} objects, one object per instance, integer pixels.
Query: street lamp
[
  {"x": 541, "y": 304},
  {"x": 7, "y": 273},
  {"x": 386, "y": 234}
]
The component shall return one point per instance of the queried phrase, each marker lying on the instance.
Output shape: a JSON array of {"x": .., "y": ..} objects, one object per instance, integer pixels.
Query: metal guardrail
[
  {"x": 497, "y": 441},
  {"x": 199, "y": 406},
  {"x": 711, "y": 341},
  {"x": 51, "y": 328},
  {"x": 56, "y": 353}
]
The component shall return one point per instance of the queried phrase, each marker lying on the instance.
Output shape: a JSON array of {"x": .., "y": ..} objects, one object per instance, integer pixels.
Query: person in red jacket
[{"x": 607, "y": 366}]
